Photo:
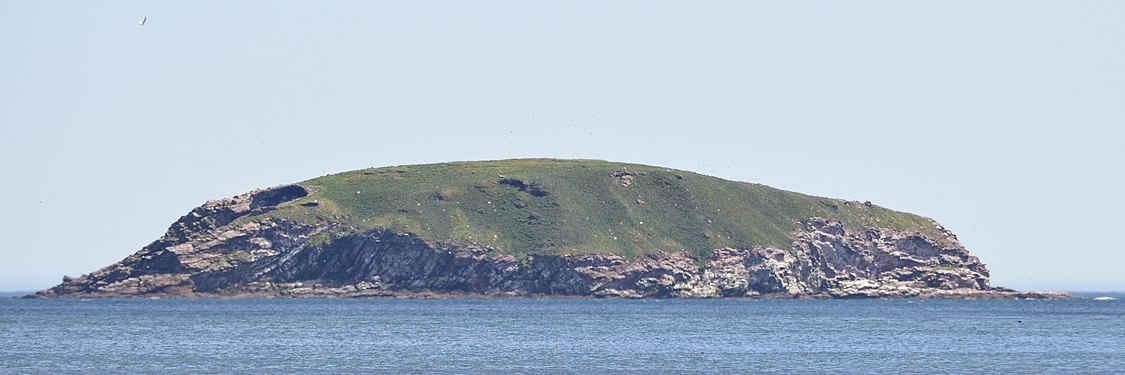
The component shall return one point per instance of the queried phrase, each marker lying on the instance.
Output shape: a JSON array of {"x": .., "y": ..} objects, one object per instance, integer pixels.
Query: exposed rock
[
  {"x": 275, "y": 259},
  {"x": 279, "y": 243},
  {"x": 624, "y": 178}
]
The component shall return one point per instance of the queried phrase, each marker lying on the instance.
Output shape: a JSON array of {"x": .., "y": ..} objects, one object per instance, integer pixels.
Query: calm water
[{"x": 567, "y": 336}]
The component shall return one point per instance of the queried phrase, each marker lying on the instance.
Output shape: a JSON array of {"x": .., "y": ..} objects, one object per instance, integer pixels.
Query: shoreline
[{"x": 387, "y": 294}]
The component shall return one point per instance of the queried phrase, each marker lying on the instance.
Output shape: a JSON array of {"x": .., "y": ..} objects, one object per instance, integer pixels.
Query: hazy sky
[{"x": 1002, "y": 120}]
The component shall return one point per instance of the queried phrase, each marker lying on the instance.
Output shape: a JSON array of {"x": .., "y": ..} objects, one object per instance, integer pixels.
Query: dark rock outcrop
[{"x": 209, "y": 252}]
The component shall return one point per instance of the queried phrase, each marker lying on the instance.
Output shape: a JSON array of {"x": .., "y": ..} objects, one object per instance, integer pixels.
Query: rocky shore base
[
  {"x": 209, "y": 253},
  {"x": 827, "y": 261},
  {"x": 367, "y": 290}
]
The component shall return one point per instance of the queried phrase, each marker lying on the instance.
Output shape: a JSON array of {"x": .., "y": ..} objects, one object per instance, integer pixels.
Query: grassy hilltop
[{"x": 546, "y": 206}]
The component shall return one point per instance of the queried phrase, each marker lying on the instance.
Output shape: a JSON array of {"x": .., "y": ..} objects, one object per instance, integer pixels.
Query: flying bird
[{"x": 142, "y": 21}]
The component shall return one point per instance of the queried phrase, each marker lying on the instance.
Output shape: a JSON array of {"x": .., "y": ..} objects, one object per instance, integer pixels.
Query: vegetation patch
[{"x": 547, "y": 206}]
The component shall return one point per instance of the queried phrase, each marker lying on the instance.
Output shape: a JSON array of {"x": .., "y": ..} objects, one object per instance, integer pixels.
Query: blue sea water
[{"x": 560, "y": 336}]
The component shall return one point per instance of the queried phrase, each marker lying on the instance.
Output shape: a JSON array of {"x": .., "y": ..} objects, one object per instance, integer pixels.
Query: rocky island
[{"x": 542, "y": 227}]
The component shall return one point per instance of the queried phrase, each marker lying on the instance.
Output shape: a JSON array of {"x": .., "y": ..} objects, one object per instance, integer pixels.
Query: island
[{"x": 542, "y": 228}]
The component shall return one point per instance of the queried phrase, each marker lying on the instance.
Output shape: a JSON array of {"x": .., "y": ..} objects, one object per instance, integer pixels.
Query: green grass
[{"x": 543, "y": 206}]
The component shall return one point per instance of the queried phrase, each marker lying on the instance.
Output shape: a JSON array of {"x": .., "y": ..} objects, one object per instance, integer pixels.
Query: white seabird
[{"x": 142, "y": 21}]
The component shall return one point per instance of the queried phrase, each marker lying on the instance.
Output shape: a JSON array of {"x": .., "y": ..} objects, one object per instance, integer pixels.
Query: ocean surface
[{"x": 560, "y": 336}]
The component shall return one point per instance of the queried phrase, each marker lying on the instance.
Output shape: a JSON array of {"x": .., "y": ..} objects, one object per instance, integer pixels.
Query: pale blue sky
[{"x": 1002, "y": 120}]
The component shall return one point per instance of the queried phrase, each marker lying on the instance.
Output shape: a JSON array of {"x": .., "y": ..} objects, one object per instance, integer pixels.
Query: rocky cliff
[{"x": 243, "y": 247}]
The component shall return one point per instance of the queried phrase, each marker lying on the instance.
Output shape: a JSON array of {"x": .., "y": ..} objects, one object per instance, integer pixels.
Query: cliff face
[{"x": 214, "y": 251}]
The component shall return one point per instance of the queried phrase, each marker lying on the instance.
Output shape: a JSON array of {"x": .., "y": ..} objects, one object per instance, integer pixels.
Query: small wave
[{"x": 1105, "y": 299}]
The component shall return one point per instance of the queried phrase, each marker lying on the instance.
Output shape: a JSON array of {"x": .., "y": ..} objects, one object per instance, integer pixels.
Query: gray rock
[{"x": 207, "y": 253}]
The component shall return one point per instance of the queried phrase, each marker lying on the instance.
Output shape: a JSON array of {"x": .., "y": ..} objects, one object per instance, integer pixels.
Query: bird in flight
[{"x": 142, "y": 21}]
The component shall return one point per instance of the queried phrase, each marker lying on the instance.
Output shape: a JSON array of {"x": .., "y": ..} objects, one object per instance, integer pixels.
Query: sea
[{"x": 566, "y": 336}]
